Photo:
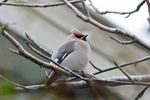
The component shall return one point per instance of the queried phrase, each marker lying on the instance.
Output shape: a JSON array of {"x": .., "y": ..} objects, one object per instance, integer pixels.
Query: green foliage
[
  {"x": 1, "y": 30},
  {"x": 6, "y": 88}
]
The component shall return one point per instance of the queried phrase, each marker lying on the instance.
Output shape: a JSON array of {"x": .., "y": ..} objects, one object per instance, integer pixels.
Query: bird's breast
[{"x": 77, "y": 61}]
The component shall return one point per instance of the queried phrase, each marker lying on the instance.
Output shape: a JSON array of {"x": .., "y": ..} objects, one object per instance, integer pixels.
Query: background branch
[
  {"x": 103, "y": 27},
  {"x": 123, "y": 42},
  {"x": 37, "y": 5},
  {"x": 121, "y": 13},
  {"x": 124, "y": 72},
  {"x": 125, "y": 64}
]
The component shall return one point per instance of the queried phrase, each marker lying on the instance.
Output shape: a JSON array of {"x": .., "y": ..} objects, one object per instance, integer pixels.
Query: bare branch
[
  {"x": 114, "y": 81},
  {"x": 79, "y": 84},
  {"x": 37, "y": 5},
  {"x": 142, "y": 80},
  {"x": 124, "y": 72},
  {"x": 137, "y": 78},
  {"x": 103, "y": 27},
  {"x": 125, "y": 64},
  {"x": 141, "y": 93},
  {"x": 122, "y": 80},
  {"x": 41, "y": 48},
  {"x": 123, "y": 42},
  {"x": 121, "y": 13},
  {"x": 95, "y": 66}
]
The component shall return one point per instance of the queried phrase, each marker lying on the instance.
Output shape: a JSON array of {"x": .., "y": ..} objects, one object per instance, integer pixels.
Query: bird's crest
[{"x": 77, "y": 33}]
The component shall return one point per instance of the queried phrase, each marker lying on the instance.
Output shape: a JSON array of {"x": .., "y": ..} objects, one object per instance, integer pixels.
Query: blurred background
[{"x": 50, "y": 26}]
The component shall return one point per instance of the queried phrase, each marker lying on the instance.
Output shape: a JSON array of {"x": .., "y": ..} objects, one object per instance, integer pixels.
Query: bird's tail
[{"x": 54, "y": 76}]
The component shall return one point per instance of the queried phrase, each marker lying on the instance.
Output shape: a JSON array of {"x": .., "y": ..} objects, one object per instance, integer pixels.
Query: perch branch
[{"x": 142, "y": 80}]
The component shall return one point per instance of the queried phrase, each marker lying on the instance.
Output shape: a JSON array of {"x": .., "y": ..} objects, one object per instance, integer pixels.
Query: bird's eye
[{"x": 79, "y": 36}]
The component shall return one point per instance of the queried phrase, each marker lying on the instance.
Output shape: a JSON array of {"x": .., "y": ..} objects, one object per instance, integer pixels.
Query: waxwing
[{"x": 74, "y": 54}]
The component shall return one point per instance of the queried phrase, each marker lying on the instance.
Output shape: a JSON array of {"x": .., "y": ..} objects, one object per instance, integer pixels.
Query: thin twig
[
  {"x": 95, "y": 66},
  {"x": 37, "y": 5},
  {"x": 123, "y": 42},
  {"x": 121, "y": 13},
  {"x": 125, "y": 64},
  {"x": 38, "y": 52},
  {"x": 41, "y": 48},
  {"x": 124, "y": 72},
  {"x": 16, "y": 84},
  {"x": 85, "y": 9},
  {"x": 141, "y": 93},
  {"x": 13, "y": 51}
]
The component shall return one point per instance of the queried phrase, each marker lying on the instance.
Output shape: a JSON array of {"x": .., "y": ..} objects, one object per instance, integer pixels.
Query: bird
[{"x": 74, "y": 54}]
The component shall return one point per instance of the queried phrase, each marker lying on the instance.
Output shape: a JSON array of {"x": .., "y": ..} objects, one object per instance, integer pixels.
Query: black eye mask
[{"x": 79, "y": 36}]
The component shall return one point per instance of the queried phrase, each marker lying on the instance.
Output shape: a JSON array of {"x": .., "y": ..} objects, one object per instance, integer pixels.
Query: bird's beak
[{"x": 84, "y": 37}]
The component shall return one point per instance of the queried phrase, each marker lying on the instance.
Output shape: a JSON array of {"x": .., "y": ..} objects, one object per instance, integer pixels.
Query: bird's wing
[
  {"x": 63, "y": 51},
  {"x": 58, "y": 56}
]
